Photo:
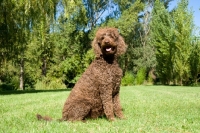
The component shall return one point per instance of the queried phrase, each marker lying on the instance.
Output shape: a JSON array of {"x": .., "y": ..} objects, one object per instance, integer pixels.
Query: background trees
[
  {"x": 45, "y": 44},
  {"x": 172, "y": 37}
]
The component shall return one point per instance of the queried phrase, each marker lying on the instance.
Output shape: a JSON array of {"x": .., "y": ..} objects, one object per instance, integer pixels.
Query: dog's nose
[{"x": 107, "y": 41}]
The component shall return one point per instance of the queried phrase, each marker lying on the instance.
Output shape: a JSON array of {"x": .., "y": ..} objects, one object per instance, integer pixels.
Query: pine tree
[
  {"x": 183, "y": 22},
  {"x": 162, "y": 37},
  {"x": 171, "y": 35},
  {"x": 195, "y": 60}
]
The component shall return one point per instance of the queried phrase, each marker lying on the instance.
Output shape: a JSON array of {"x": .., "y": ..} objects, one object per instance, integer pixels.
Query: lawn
[{"x": 148, "y": 109}]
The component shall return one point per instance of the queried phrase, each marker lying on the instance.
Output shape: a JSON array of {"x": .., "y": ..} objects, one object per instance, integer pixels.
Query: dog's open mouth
[{"x": 108, "y": 49}]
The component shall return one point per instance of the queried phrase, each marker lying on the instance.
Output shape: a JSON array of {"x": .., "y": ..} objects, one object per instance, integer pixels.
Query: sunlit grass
[{"x": 154, "y": 109}]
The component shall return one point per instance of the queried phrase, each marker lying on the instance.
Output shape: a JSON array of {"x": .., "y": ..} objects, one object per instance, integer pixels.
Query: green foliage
[
  {"x": 49, "y": 84},
  {"x": 8, "y": 77},
  {"x": 140, "y": 77},
  {"x": 128, "y": 79},
  {"x": 162, "y": 36},
  {"x": 72, "y": 69},
  {"x": 7, "y": 87},
  {"x": 150, "y": 80},
  {"x": 183, "y": 20},
  {"x": 44, "y": 43},
  {"x": 171, "y": 34},
  {"x": 88, "y": 58},
  {"x": 195, "y": 60},
  {"x": 128, "y": 20}
]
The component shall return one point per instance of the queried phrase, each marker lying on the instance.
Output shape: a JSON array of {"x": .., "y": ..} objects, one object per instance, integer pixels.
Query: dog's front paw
[
  {"x": 111, "y": 119},
  {"x": 122, "y": 117}
]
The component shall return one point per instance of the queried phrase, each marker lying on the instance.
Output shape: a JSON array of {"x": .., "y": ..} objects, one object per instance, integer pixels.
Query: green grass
[{"x": 148, "y": 109}]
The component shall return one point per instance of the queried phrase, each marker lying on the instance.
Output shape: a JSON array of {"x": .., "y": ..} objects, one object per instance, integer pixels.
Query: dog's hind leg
[
  {"x": 77, "y": 112},
  {"x": 95, "y": 113}
]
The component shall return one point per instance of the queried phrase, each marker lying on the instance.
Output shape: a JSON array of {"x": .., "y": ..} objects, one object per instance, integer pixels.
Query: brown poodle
[{"x": 97, "y": 91}]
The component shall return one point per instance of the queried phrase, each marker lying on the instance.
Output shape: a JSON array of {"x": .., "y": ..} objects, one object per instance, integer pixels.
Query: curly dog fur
[{"x": 97, "y": 91}]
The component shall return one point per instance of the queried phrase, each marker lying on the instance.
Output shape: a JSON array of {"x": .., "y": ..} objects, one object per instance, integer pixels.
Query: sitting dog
[{"x": 97, "y": 91}]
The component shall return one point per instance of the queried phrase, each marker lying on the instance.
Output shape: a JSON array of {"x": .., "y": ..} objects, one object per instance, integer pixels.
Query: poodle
[{"x": 97, "y": 91}]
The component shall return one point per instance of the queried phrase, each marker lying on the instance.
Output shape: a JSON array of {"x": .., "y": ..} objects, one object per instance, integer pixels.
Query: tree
[
  {"x": 171, "y": 35},
  {"x": 195, "y": 60},
  {"x": 7, "y": 38},
  {"x": 144, "y": 50},
  {"x": 17, "y": 29},
  {"x": 162, "y": 36},
  {"x": 183, "y": 21}
]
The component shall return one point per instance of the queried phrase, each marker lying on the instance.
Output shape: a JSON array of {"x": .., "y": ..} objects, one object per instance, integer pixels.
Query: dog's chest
[{"x": 108, "y": 73}]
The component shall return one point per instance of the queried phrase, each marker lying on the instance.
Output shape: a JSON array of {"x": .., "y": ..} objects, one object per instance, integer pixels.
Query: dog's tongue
[{"x": 108, "y": 49}]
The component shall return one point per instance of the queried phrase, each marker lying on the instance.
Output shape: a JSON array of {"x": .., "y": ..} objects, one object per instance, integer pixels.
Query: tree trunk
[
  {"x": 125, "y": 65},
  {"x": 21, "y": 85},
  {"x": 44, "y": 66}
]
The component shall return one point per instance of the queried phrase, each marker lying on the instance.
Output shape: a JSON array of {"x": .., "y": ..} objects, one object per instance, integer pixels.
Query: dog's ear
[
  {"x": 96, "y": 47},
  {"x": 121, "y": 47}
]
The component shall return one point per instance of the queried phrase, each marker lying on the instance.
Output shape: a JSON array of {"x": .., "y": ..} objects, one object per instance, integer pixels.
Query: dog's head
[{"x": 108, "y": 42}]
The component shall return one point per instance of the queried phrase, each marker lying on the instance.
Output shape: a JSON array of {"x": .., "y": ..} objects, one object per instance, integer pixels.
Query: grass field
[{"x": 148, "y": 109}]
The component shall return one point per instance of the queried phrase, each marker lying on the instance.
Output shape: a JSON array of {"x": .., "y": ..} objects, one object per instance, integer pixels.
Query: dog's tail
[{"x": 46, "y": 118}]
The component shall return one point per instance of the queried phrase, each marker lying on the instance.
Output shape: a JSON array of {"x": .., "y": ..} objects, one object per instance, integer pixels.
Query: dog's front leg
[
  {"x": 106, "y": 97},
  {"x": 117, "y": 106}
]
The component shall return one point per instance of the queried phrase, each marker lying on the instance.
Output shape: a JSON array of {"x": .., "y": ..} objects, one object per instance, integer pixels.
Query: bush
[
  {"x": 88, "y": 58},
  {"x": 128, "y": 79},
  {"x": 49, "y": 84},
  {"x": 141, "y": 74},
  {"x": 7, "y": 87},
  {"x": 150, "y": 80}
]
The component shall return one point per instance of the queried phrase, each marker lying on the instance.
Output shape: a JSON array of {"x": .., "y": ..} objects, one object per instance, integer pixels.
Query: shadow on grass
[{"x": 31, "y": 91}]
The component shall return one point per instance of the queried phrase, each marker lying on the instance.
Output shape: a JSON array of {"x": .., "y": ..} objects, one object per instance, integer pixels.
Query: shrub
[
  {"x": 88, "y": 58},
  {"x": 7, "y": 87},
  {"x": 140, "y": 77},
  {"x": 128, "y": 79},
  {"x": 49, "y": 84},
  {"x": 150, "y": 80}
]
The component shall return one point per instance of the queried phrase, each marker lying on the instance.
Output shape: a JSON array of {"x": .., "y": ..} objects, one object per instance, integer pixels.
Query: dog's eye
[
  {"x": 113, "y": 36},
  {"x": 102, "y": 37},
  {"x": 99, "y": 44}
]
